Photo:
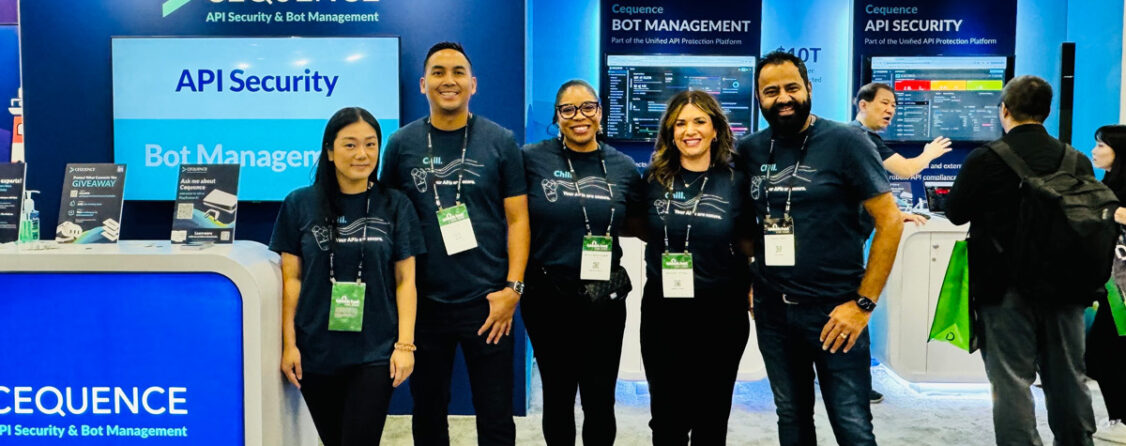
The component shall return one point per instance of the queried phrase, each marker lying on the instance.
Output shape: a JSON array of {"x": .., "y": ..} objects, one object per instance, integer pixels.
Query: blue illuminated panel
[{"x": 174, "y": 338}]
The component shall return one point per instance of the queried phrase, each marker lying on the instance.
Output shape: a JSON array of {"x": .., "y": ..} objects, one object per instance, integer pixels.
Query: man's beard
[{"x": 785, "y": 126}]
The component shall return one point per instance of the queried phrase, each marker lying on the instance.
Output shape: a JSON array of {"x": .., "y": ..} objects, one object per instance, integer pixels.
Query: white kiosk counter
[
  {"x": 144, "y": 342},
  {"x": 901, "y": 324}
]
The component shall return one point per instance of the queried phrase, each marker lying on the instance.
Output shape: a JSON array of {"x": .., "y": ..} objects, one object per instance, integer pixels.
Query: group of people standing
[{"x": 488, "y": 225}]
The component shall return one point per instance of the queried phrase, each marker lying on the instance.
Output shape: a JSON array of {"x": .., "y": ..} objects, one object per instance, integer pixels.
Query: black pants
[
  {"x": 1106, "y": 358},
  {"x": 349, "y": 408},
  {"x": 1020, "y": 336},
  {"x": 691, "y": 349},
  {"x": 439, "y": 330},
  {"x": 578, "y": 345}
]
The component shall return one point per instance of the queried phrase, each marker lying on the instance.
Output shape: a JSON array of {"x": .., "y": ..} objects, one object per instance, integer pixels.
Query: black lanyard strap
[
  {"x": 332, "y": 243},
  {"x": 797, "y": 168},
  {"x": 582, "y": 199},
  {"x": 695, "y": 208},
  {"x": 461, "y": 169}
]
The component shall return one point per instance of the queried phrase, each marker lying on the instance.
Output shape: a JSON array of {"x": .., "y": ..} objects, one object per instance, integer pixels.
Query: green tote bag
[
  {"x": 1117, "y": 306},
  {"x": 952, "y": 314}
]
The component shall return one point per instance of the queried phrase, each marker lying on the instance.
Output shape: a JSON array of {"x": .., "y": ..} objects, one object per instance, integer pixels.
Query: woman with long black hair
[
  {"x": 579, "y": 192},
  {"x": 348, "y": 248},
  {"x": 1106, "y": 350}
]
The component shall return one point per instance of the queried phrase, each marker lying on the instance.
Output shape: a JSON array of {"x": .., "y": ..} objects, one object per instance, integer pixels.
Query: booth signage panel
[
  {"x": 147, "y": 358},
  {"x": 258, "y": 102},
  {"x": 651, "y": 51}
]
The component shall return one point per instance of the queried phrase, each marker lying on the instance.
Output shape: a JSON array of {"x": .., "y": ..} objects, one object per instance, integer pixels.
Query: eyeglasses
[{"x": 567, "y": 111}]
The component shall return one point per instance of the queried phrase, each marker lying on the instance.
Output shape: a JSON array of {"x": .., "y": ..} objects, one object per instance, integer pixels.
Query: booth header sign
[
  {"x": 681, "y": 27},
  {"x": 929, "y": 28}
]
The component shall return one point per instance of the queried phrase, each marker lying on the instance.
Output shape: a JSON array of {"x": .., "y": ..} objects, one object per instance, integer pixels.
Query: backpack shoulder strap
[
  {"x": 1002, "y": 149},
  {"x": 1070, "y": 158}
]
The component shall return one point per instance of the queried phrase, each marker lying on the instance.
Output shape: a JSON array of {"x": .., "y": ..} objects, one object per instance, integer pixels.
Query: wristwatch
[
  {"x": 865, "y": 303},
  {"x": 516, "y": 286}
]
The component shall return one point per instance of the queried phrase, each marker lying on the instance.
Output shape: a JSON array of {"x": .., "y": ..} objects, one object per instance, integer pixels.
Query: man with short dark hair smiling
[{"x": 465, "y": 176}]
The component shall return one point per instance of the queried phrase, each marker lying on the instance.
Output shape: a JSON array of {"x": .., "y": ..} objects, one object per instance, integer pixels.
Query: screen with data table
[
  {"x": 955, "y": 97},
  {"x": 637, "y": 87}
]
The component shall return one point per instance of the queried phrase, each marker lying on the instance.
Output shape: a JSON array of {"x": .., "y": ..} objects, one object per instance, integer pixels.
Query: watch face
[{"x": 866, "y": 304}]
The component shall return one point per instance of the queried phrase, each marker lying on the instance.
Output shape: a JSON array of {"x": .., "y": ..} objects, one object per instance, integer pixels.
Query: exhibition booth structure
[{"x": 198, "y": 117}]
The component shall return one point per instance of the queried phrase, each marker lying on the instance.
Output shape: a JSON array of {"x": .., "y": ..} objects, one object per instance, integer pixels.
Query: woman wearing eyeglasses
[{"x": 579, "y": 191}]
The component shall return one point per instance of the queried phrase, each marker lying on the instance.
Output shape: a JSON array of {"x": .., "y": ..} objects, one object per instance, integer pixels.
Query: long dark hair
[
  {"x": 1114, "y": 136},
  {"x": 665, "y": 162},
  {"x": 325, "y": 182}
]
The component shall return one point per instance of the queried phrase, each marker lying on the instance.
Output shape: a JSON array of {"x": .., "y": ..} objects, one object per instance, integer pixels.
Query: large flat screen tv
[
  {"x": 636, "y": 88},
  {"x": 955, "y": 97},
  {"x": 260, "y": 102}
]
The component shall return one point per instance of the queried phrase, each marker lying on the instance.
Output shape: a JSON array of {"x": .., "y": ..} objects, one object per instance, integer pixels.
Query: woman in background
[{"x": 1106, "y": 350}]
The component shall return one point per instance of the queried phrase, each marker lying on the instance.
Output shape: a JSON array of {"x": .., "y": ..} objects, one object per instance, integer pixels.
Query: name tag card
[
  {"x": 346, "y": 312},
  {"x": 598, "y": 252},
  {"x": 457, "y": 230},
  {"x": 677, "y": 280},
  {"x": 779, "y": 242}
]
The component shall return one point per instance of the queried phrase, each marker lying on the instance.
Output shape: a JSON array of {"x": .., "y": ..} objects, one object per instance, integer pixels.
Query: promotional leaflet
[
  {"x": 206, "y": 203},
  {"x": 11, "y": 197},
  {"x": 90, "y": 207}
]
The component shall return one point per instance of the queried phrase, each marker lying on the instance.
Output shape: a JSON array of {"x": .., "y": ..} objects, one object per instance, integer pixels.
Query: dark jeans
[
  {"x": 439, "y": 330},
  {"x": 578, "y": 346},
  {"x": 349, "y": 408},
  {"x": 1106, "y": 359},
  {"x": 691, "y": 349},
  {"x": 1020, "y": 338},
  {"x": 789, "y": 339}
]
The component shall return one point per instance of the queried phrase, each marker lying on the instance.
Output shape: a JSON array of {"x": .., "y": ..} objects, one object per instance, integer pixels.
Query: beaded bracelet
[{"x": 405, "y": 347}]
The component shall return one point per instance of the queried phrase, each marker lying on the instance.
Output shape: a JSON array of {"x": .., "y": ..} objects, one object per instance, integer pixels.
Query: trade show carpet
[{"x": 937, "y": 415}]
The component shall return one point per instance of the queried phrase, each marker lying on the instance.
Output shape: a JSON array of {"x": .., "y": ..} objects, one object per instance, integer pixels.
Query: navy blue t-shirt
[
  {"x": 720, "y": 222},
  {"x": 392, "y": 235},
  {"x": 554, "y": 206},
  {"x": 881, "y": 147},
  {"x": 840, "y": 170},
  {"x": 493, "y": 171}
]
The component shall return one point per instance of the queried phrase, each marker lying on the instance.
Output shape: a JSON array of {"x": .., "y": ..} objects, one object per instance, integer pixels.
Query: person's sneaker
[
  {"x": 875, "y": 397},
  {"x": 1112, "y": 430}
]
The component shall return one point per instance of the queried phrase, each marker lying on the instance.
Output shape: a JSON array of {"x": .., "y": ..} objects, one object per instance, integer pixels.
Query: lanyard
[
  {"x": 582, "y": 199},
  {"x": 797, "y": 168},
  {"x": 695, "y": 207},
  {"x": 460, "y": 172},
  {"x": 332, "y": 243}
]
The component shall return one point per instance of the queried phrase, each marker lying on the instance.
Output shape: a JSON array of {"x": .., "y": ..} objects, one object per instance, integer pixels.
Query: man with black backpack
[{"x": 1040, "y": 245}]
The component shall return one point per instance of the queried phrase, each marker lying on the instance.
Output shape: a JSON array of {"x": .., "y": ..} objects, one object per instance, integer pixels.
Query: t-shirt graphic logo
[
  {"x": 451, "y": 170},
  {"x": 711, "y": 206},
  {"x": 419, "y": 176},
  {"x": 353, "y": 232},
  {"x": 804, "y": 175},
  {"x": 593, "y": 188},
  {"x": 320, "y": 234}
]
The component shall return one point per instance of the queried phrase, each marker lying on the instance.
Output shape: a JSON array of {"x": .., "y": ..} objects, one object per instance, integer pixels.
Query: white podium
[{"x": 901, "y": 324}]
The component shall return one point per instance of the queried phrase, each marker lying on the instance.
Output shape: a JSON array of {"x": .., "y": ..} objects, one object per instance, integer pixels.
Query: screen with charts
[
  {"x": 955, "y": 97},
  {"x": 637, "y": 87}
]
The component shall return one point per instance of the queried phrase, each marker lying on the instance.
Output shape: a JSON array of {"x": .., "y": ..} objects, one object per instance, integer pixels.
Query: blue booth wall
[
  {"x": 1042, "y": 25},
  {"x": 66, "y": 72}
]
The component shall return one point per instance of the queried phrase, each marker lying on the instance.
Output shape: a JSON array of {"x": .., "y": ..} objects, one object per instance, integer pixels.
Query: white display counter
[
  {"x": 272, "y": 410},
  {"x": 901, "y": 324}
]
